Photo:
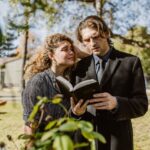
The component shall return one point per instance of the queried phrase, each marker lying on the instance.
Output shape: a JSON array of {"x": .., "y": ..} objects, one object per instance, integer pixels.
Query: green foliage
[
  {"x": 6, "y": 41},
  {"x": 142, "y": 37},
  {"x": 58, "y": 133},
  {"x": 63, "y": 142},
  {"x": 2, "y": 41}
]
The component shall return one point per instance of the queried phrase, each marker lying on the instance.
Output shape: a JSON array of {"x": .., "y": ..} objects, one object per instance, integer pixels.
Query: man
[{"x": 122, "y": 93}]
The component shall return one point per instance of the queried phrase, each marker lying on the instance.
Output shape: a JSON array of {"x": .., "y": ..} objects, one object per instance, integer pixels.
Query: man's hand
[
  {"x": 103, "y": 101},
  {"x": 79, "y": 108}
]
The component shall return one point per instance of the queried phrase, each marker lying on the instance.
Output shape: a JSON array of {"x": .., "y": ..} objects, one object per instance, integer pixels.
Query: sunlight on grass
[
  {"x": 141, "y": 127},
  {"x": 11, "y": 123}
]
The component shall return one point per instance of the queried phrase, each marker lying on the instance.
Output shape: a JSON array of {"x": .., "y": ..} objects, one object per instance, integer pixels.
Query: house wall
[{"x": 13, "y": 71}]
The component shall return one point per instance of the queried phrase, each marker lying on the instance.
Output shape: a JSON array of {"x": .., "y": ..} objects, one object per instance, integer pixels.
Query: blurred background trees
[{"x": 127, "y": 19}]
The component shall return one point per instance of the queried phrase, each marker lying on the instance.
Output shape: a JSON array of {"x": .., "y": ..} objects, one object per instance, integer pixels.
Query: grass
[
  {"x": 141, "y": 128},
  {"x": 11, "y": 123}
]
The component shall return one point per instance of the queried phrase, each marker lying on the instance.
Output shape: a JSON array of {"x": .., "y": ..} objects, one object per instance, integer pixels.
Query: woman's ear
[{"x": 51, "y": 55}]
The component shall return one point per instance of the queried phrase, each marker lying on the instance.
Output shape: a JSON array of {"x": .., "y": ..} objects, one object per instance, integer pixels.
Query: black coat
[{"x": 123, "y": 78}]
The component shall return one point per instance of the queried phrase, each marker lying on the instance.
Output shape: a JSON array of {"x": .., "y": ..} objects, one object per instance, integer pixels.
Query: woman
[{"x": 55, "y": 59}]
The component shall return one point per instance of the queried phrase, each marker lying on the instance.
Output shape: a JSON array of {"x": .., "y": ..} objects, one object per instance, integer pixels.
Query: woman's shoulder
[{"x": 37, "y": 78}]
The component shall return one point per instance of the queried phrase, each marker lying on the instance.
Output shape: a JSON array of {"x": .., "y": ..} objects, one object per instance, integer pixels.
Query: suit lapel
[
  {"x": 91, "y": 73},
  {"x": 111, "y": 66}
]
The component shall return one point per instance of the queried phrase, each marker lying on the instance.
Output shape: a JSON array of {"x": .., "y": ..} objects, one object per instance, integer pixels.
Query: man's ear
[{"x": 107, "y": 35}]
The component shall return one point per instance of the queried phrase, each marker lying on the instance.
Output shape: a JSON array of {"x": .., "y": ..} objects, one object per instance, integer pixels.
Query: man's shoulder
[{"x": 124, "y": 55}]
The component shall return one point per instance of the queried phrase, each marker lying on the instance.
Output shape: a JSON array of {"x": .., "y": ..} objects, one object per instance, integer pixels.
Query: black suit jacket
[{"x": 123, "y": 78}]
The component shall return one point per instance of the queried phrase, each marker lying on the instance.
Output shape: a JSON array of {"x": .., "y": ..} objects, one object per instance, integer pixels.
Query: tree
[
  {"x": 30, "y": 9},
  {"x": 141, "y": 37},
  {"x": 8, "y": 45},
  {"x": 115, "y": 13},
  {"x": 2, "y": 39}
]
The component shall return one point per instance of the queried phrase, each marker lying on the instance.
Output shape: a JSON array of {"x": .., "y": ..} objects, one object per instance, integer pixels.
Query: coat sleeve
[
  {"x": 33, "y": 89},
  {"x": 86, "y": 116},
  {"x": 137, "y": 104}
]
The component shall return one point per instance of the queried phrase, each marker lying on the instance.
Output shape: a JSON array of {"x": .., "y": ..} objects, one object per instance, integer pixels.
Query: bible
[{"x": 83, "y": 90}]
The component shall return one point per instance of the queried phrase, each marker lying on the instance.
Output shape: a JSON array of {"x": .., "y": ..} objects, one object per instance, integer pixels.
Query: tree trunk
[
  {"x": 25, "y": 48},
  {"x": 99, "y": 7},
  {"x": 25, "y": 57}
]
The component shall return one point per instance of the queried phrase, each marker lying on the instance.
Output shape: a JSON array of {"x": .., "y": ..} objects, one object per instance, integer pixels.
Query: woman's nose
[
  {"x": 71, "y": 52},
  {"x": 92, "y": 42}
]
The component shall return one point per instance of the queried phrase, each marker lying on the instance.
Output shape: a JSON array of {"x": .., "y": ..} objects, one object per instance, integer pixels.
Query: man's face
[{"x": 94, "y": 42}]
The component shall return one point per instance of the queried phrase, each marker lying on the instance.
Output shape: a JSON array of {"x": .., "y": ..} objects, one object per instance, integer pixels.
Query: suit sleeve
[{"x": 135, "y": 105}]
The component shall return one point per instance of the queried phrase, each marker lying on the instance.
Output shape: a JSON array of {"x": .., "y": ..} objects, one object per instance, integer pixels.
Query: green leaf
[
  {"x": 85, "y": 126},
  {"x": 61, "y": 120},
  {"x": 51, "y": 124},
  {"x": 56, "y": 100},
  {"x": 87, "y": 135},
  {"x": 37, "y": 107},
  {"x": 63, "y": 142},
  {"x": 24, "y": 136},
  {"x": 93, "y": 135},
  {"x": 80, "y": 145},
  {"x": 40, "y": 143},
  {"x": 69, "y": 126},
  {"x": 49, "y": 134},
  {"x": 33, "y": 113},
  {"x": 99, "y": 136}
]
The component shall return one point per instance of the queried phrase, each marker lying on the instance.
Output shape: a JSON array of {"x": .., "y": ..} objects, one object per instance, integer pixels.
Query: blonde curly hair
[{"x": 41, "y": 61}]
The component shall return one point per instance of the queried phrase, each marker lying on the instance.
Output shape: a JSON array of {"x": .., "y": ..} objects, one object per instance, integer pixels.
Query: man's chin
[{"x": 96, "y": 52}]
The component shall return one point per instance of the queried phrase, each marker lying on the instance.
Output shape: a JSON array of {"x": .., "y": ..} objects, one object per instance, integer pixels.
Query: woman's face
[{"x": 64, "y": 54}]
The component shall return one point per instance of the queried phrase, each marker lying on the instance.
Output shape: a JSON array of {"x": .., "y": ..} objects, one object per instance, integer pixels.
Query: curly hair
[{"x": 41, "y": 61}]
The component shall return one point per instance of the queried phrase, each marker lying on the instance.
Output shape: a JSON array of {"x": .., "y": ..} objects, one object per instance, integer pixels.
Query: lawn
[{"x": 11, "y": 124}]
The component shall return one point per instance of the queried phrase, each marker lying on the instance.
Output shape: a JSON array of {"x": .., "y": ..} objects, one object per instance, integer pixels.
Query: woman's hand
[
  {"x": 80, "y": 53},
  {"x": 78, "y": 108}
]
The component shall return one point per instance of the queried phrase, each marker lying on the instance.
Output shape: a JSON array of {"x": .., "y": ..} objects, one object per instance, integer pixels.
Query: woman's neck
[{"x": 58, "y": 70}]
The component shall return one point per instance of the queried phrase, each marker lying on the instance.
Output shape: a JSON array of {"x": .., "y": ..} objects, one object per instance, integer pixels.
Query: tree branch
[{"x": 132, "y": 41}]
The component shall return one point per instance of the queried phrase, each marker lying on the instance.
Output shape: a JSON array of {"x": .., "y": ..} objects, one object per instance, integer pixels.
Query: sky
[{"x": 128, "y": 14}]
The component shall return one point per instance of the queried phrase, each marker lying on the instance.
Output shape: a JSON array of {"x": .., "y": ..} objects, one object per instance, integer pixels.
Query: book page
[
  {"x": 65, "y": 83},
  {"x": 84, "y": 83}
]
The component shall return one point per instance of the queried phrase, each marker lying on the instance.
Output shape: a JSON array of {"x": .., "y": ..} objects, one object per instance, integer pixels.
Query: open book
[{"x": 83, "y": 90}]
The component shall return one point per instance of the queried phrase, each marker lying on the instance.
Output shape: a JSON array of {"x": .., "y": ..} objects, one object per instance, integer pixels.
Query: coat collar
[
  {"x": 112, "y": 64},
  {"x": 52, "y": 77}
]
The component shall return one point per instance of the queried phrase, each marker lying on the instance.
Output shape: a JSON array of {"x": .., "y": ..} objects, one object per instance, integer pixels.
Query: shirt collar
[{"x": 104, "y": 58}]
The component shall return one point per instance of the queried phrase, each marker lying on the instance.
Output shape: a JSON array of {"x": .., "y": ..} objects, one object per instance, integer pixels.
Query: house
[
  {"x": 10, "y": 71},
  {"x": 11, "y": 67}
]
